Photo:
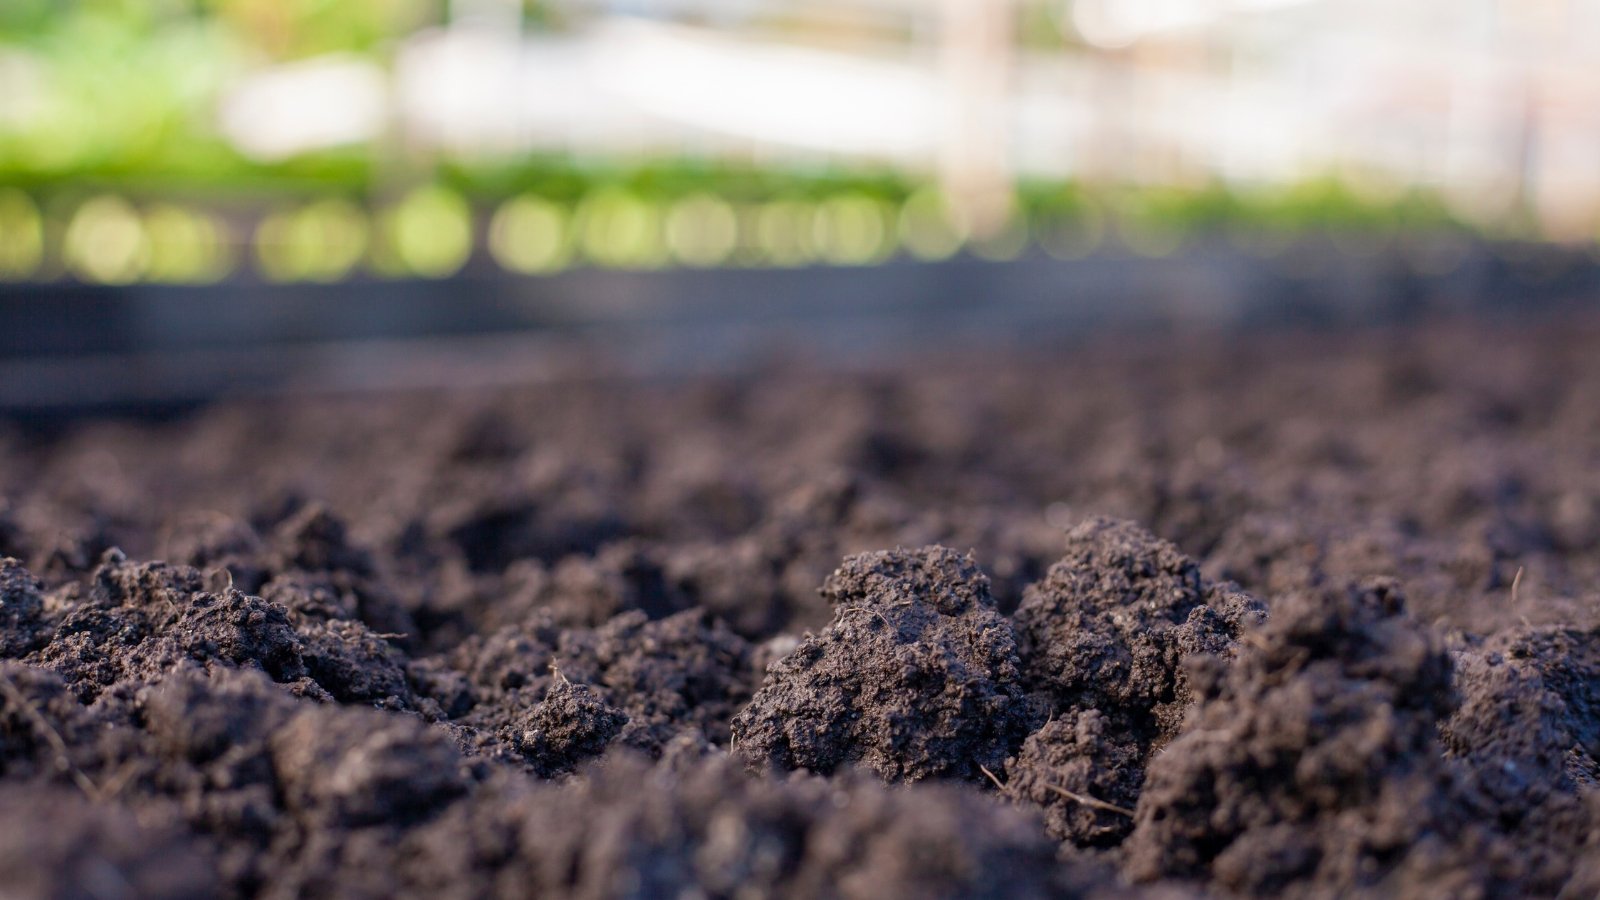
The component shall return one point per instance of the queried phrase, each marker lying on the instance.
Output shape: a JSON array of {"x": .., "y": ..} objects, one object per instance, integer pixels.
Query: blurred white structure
[
  {"x": 309, "y": 105},
  {"x": 1495, "y": 102}
]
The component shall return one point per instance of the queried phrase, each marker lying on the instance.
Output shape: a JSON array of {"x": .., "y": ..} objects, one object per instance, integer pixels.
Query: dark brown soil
[
  {"x": 1286, "y": 616},
  {"x": 917, "y": 677}
]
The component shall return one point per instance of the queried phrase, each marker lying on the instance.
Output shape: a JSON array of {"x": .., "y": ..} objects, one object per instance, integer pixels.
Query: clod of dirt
[
  {"x": 686, "y": 673},
  {"x": 917, "y": 677},
  {"x": 1568, "y": 662},
  {"x": 1585, "y": 881},
  {"x": 709, "y": 830},
  {"x": 21, "y": 610},
  {"x": 354, "y": 665},
  {"x": 44, "y": 730},
  {"x": 570, "y": 726},
  {"x": 314, "y": 540},
  {"x": 206, "y": 748},
  {"x": 1312, "y": 768},
  {"x": 1511, "y": 726},
  {"x": 285, "y": 786},
  {"x": 56, "y": 844},
  {"x": 361, "y": 767},
  {"x": 1083, "y": 779},
  {"x": 312, "y": 553},
  {"x": 1110, "y": 624},
  {"x": 306, "y": 561},
  {"x": 587, "y": 591},
  {"x": 1103, "y": 639},
  {"x": 138, "y": 622}
]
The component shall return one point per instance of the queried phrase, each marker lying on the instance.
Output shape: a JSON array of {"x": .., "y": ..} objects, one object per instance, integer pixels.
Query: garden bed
[{"x": 1268, "y": 615}]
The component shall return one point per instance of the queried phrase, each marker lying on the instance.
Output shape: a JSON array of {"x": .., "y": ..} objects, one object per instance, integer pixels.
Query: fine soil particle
[{"x": 1177, "y": 629}]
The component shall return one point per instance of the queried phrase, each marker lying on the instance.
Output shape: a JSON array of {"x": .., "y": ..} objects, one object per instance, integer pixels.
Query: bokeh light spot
[
  {"x": 186, "y": 247},
  {"x": 702, "y": 230},
  {"x": 618, "y": 229},
  {"x": 105, "y": 242},
  {"x": 784, "y": 231},
  {"x": 1007, "y": 243},
  {"x": 927, "y": 228},
  {"x": 530, "y": 235},
  {"x": 21, "y": 235},
  {"x": 852, "y": 230},
  {"x": 430, "y": 232},
  {"x": 321, "y": 241}
]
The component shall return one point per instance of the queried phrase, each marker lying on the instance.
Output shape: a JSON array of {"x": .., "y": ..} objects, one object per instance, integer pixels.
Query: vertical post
[
  {"x": 498, "y": 16},
  {"x": 976, "y": 39}
]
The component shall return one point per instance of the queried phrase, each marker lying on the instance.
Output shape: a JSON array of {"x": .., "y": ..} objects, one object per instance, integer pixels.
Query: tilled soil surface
[{"x": 1289, "y": 616}]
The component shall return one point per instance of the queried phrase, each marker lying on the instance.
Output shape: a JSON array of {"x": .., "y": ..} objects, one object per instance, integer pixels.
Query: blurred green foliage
[
  {"x": 275, "y": 29},
  {"x": 125, "y": 91}
]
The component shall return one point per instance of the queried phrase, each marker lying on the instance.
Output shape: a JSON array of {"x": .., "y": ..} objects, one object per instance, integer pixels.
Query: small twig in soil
[
  {"x": 880, "y": 615},
  {"x": 555, "y": 672},
  {"x": 1256, "y": 640},
  {"x": 51, "y": 737},
  {"x": 1516, "y": 582},
  {"x": 997, "y": 782},
  {"x": 119, "y": 780},
  {"x": 1091, "y": 801}
]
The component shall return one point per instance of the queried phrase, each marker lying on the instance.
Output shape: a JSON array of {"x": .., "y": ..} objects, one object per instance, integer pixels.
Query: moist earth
[
  {"x": 916, "y": 677},
  {"x": 1277, "y": 615}
]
